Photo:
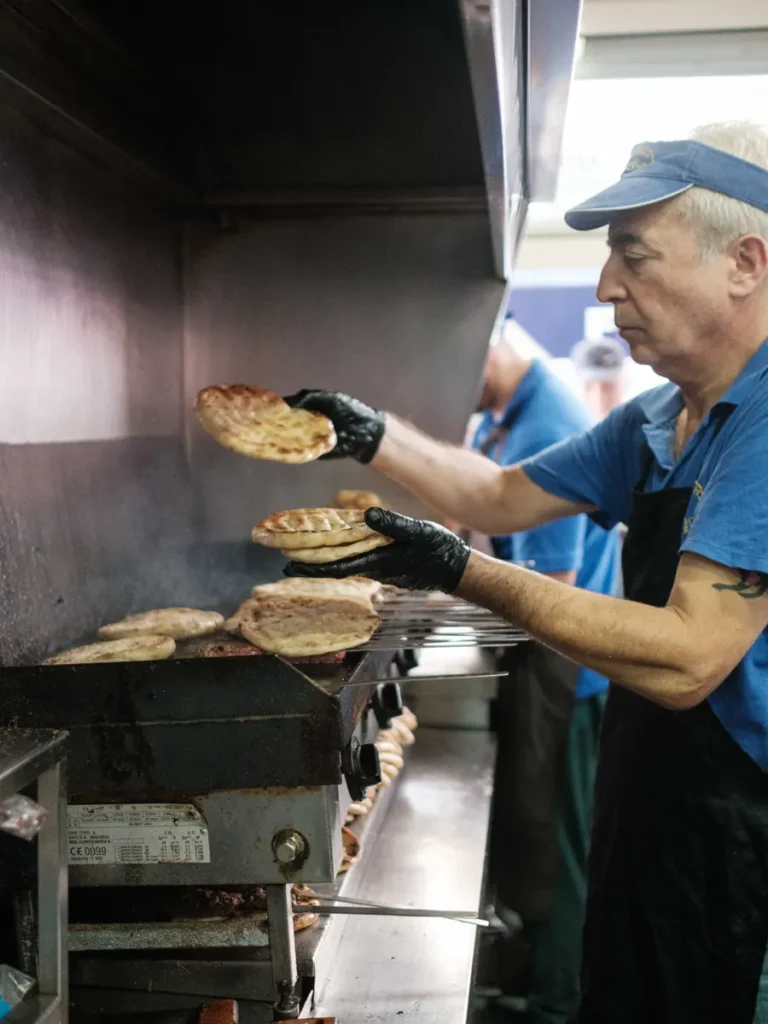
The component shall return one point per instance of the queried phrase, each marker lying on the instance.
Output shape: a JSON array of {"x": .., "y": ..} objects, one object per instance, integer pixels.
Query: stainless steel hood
[
  {"x": 521, "y": 56},
  {"x": 291, "y": 194}
]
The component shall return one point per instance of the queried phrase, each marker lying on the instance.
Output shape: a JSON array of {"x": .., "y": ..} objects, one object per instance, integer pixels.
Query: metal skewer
[
  {"x": 428, "y": 679},
  {"x": 372, "y": 909}
]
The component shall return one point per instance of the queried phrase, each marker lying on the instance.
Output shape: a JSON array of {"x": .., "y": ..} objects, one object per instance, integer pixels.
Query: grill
[{"x": 422, "y": 620}]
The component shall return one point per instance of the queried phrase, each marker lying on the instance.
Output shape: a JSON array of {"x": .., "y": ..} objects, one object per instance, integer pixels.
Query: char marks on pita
[
  {"x": 258, "y": 423},
  {"x": 311, "y": 528}
]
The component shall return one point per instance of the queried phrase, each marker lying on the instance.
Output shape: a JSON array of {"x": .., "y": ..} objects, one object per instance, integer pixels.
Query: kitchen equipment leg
[
  {"x": 52, "y": 891},
  {"x": 282, "y": 951}
]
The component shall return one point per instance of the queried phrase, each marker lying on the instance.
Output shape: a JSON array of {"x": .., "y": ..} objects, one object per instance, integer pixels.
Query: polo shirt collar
[
  {"x": 662, "y": 406},
  {"x": 742, "y": 386}
]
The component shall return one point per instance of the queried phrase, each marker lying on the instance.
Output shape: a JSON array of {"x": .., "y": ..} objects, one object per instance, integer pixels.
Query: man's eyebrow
[{"x": 621, "y": 239}]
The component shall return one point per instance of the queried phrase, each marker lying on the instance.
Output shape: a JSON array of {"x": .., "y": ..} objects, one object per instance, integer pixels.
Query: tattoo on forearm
[{"x": 750, "y": 585}]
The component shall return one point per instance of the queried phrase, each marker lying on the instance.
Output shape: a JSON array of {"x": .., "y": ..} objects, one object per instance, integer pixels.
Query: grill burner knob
[
  {"x": 289, "y": 848},
  {"x": 405, "y": 661},
  {"x": 387, "y": 703},
  {"x": 361, "y": 767}
]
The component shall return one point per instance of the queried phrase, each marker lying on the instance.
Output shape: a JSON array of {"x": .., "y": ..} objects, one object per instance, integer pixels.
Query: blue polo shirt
[
  {"x": 727, "y": 517},
  {"x": 547, "y": 412}
]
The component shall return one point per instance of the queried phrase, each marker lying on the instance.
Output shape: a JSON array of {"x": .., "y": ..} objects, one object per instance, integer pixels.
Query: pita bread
[
  {"x": 311, "y": 528},
  {"x": 357, "y": 499},
  {"x": 135, "y": 648},
  {"x": 179, "y": 623},
  {"x": 403, "y": 734},
  {"x": 296, "y": 625},
  {"x": 408, "y": 719},
  {"x": 318, "y": 556},
  {"x": 255, "y": 422},
  {"x": 351, "y": 848},
  {"x": 388, "y": 758},
  {"x": 388, "y": 747},
  {"x": 360, "y": 807},
  {"x": 319, "y": 587}
]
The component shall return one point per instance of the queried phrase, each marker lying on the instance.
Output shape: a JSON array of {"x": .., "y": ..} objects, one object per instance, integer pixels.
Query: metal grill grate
[{"x": 420, "y": 620}]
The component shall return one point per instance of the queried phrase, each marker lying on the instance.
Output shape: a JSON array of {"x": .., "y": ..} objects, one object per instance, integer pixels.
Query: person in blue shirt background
[
  {"x": 548, "y": 711},
  {"x": 676, "y": 927}
]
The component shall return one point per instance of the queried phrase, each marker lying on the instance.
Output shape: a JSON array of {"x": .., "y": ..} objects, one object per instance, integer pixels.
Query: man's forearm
[
  {"x": 460, "y": 484},
  {"x": 645, "y": 649}
]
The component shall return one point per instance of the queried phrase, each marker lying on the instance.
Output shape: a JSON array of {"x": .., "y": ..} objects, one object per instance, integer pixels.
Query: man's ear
[{"x": 749, "y": 264}]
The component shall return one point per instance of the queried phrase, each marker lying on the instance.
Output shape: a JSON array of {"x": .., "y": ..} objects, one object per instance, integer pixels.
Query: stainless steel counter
[{"x": 426, "y": 849}]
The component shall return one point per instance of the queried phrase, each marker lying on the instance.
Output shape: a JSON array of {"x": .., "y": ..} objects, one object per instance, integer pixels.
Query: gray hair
[{"x": 716, "y": 219}]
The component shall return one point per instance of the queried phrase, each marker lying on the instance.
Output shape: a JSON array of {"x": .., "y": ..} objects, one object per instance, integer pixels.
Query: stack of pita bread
[
  {"x": 299, "y": 618},
  {"x": 318, "y": 535}
]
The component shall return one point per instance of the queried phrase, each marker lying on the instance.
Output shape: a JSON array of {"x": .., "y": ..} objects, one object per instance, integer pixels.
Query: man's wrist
[
  {"x": 481, "y": 580},
  {"x": 384, "y": 449}
]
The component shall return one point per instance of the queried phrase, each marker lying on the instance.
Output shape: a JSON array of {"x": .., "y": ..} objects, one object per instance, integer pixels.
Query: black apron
[
  {"x": 677, "y": 913},
  {"x": 531, "y": 716}
]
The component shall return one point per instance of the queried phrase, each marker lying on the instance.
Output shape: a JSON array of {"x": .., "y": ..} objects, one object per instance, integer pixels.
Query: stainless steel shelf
[{"x": 425, "y": 848}]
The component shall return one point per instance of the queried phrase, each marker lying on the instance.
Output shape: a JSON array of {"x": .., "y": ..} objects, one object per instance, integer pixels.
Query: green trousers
[{"x": 556, "y": 942}]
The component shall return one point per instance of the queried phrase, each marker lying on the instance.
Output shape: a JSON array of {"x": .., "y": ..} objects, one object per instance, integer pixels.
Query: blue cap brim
[{"x": 631, "y": 192}]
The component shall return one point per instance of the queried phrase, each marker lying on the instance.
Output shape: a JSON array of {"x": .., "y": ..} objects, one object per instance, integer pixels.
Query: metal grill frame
[{"x": 422, "y": 619}]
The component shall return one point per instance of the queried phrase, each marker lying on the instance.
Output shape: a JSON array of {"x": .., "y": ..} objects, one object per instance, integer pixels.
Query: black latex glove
[
  {"x": 424, "y": 556},
  {"x": 359, "y": 428}
]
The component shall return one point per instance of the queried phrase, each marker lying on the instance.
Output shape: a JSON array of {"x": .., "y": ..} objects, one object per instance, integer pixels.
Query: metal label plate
[{"x": 137, "y": 834}]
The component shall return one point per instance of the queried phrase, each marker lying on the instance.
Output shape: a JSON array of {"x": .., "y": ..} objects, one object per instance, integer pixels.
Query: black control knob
[
  {"x": 405, "y": 661},
  {"x": 361, "y": 767},
  {"x": 387, "y": 703}
]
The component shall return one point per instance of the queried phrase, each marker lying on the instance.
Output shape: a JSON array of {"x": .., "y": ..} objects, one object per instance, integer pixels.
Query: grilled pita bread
[
  {"x": 334, "y": 552},
  {"x": 408, "y": 719},
  {"x": 388, "y": 758},
  {"x": 360, "y": 808},
  {"x": 360, "y": 500},
  {"x": 320, "y": 587},
  {"x": 296, "y": 625},
  {"x": 255, "y": 422},
  {"x": 179, "y": 623},
  {"x": 311, "y": 528},
  {"x": 135, "y": 648},
  {"x": 351, "y": 847}
]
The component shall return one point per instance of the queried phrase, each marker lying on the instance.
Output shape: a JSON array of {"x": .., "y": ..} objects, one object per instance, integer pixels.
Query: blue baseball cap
[{"x": 660, "y": 170}]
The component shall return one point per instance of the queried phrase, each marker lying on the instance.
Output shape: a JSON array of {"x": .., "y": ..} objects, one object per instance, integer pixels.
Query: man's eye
[{"x": 632, "y": 259}]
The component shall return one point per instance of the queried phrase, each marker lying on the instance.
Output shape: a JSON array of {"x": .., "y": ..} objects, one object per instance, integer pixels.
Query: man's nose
[{"x": 610, "y": 287}]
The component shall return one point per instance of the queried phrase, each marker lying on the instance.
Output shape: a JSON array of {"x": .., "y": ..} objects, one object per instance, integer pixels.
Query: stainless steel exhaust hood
[{"x": 288, "y": 193}]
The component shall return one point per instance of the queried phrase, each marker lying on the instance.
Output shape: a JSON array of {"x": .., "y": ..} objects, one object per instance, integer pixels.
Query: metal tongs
[
  {"x": 352, "y": 905},
  {"x": 444, "y": 677}
]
